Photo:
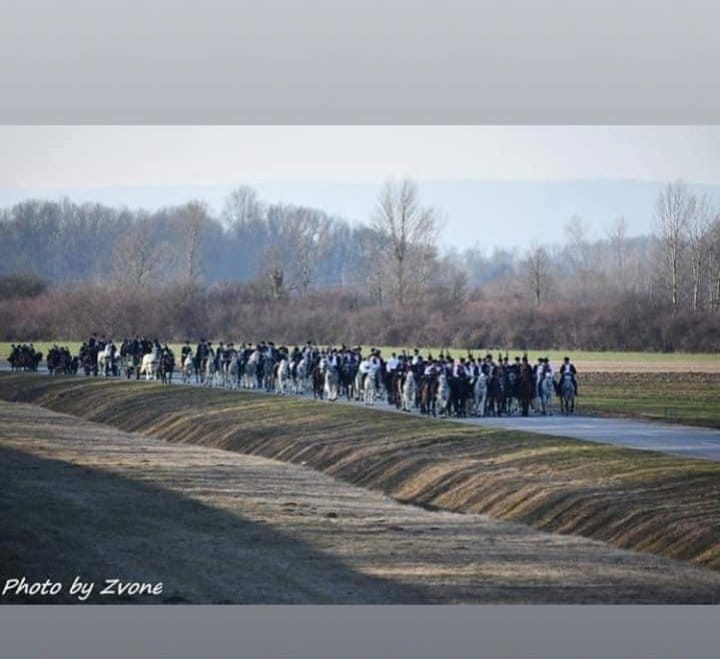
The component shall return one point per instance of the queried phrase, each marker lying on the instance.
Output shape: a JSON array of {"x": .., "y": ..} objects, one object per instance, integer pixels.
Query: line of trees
[{"x": 286, "y": 270}]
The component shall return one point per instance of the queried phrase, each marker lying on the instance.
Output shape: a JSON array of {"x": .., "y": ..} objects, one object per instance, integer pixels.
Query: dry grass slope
[{"x": 632, "y": 499}]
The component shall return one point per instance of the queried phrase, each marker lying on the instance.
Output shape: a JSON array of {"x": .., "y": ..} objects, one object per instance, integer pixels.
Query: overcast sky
[
  {"x": 495, "y": 186},
  {"x": 105, "y": 156}
]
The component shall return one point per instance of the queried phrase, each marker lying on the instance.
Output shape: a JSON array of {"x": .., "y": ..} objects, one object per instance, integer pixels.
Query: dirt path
[{"x": 216, "y": 526}]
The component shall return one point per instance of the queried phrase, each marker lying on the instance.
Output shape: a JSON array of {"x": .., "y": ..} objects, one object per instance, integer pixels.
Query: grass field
[
  {"x": 639, "y": 500},
  {"x": 675, "y": 398},
  {"x": 586, "y": 361}
]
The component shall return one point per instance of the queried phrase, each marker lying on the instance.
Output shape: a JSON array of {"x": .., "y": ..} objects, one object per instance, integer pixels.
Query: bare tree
[
  {"x": 714, "y": 260},
  {"x": 194, "y": 218},
  {"x": 300, "y": 239},
  {"x": 698, "y": 232},
  {"x": 674, "y": 209},
  {"x": 617, "y": 235},
  {"x": 135, "y": 259},
  {"x": 537, "y": 266},
  {"x": 407, "y": 229},
  {"x": 312, "y": 232},
  {"x": 241, "y": 208},
  {"x": 578, "y": 232}
]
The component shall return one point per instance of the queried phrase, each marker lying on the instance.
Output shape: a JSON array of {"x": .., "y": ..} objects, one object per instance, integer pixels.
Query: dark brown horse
[
  {"x": 428, "y": 394},
  {"x": 525, "y": 388}
]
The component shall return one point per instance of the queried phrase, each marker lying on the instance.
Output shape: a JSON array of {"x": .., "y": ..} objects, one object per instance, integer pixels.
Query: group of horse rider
[
  {"x": 99, "y": 354},
  {"x": 278, "y": 368},
  {"x": 60, "y": 361},
  {"x": 449, "y": 385},
  {"x": 24, "y": 357}
]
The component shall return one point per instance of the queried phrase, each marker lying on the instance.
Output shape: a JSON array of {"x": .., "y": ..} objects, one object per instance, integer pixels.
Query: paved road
[{"x": 688, "y": 441}]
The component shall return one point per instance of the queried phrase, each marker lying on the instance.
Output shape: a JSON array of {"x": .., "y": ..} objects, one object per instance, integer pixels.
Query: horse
[
  {"x": 409, "y": 391},
  {"x": 318, "y": 381},
  {"x": 187, "y": 367},
  {"x": 332, "y": 379},
  {"x": 149, "y": 364},
  {"x": 443, "y": 395},
  {"x": 428, "y": 394},
  {"x": 496, "y": 393},
  {"x": 298, "y": 375},
  {"x": 547, "y": 385},
  {"x": 105, "y": 360},
  {"x": 210, "y": 371},
  {"x": 393, "y": 383},
  {"x": 480, "y": 392},
  {"x": 567, "y": 394},
  {"x": 370, "y": 388},
  {"x": 359, "y": 380},
  {"x": 166, "y": 368},
  {"x": 524, "y": 389},
  {"x": 509, "y": 403},
  {"x": 281, "y": 377},
  {"x": 459, "y": 392},
  {"x": 347, "y": 379},
  {"x": 251, "y": 370}
]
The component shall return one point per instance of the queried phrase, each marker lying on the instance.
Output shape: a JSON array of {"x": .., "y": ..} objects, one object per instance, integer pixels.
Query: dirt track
[{"x": 216, "y": 526}]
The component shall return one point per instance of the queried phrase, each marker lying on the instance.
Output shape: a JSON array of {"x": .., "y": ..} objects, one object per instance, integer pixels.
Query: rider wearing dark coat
[{"x": 567, "y": 367}]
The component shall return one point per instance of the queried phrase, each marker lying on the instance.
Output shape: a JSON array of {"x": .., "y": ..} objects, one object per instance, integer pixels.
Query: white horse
[
  {"x": 150, "y": 363},
  {"x": 370, "y": 389},
  {"x": 210, "y": 370},
  {"x": 226, "y": 368},
  {"x": 409, "y": 391},
  {"x": 443, "y": 394},
  {"x": 299, "y": 383},
  {"x": 250, "y": 372},
  {"x": 104, "y": 359},
  {"x": 547, "y": 385},
  {"x": 480, "y": 393},
  {"x": 363, "y": 368},
  {"x": 187, "y": 368},
  {"x": 281, "y": 377},
  {"x": 233, "y": 370},
  {"x": 332, "y": 380}
]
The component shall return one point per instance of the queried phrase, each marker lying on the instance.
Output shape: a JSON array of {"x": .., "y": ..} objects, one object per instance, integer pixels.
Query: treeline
[
  {"x": 247, "y": 311},
  {"x": 295, "y": 273}
]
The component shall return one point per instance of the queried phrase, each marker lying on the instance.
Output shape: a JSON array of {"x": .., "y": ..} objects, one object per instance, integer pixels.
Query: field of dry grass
[
  {"x": 213, "y": 526},
  {"x": 690, "y": 398},
  {"x": 638, "y": 500}
]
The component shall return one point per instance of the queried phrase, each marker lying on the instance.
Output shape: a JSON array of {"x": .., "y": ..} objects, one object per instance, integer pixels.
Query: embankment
[{"x": 638, "y": 500}]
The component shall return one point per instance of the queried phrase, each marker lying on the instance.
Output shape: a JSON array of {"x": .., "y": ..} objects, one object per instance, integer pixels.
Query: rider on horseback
[{"x": 567, "y": 367}]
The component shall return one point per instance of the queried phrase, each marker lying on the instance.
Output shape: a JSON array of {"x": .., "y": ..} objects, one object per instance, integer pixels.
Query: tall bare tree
[
  {"x": 673, "y": 212},
  {"x": 537, "y": 267},
  {"x": 194, "y": 217},
  {"x": 714, "y": 259},
  {"x": 408, "y": 230},
  {"x": 617, "y": 235},
  {"x": 698, "y": 233}
]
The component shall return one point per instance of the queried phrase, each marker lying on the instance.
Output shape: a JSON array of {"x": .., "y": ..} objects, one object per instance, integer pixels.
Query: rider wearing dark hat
[{"x": 567, "y": 367}]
